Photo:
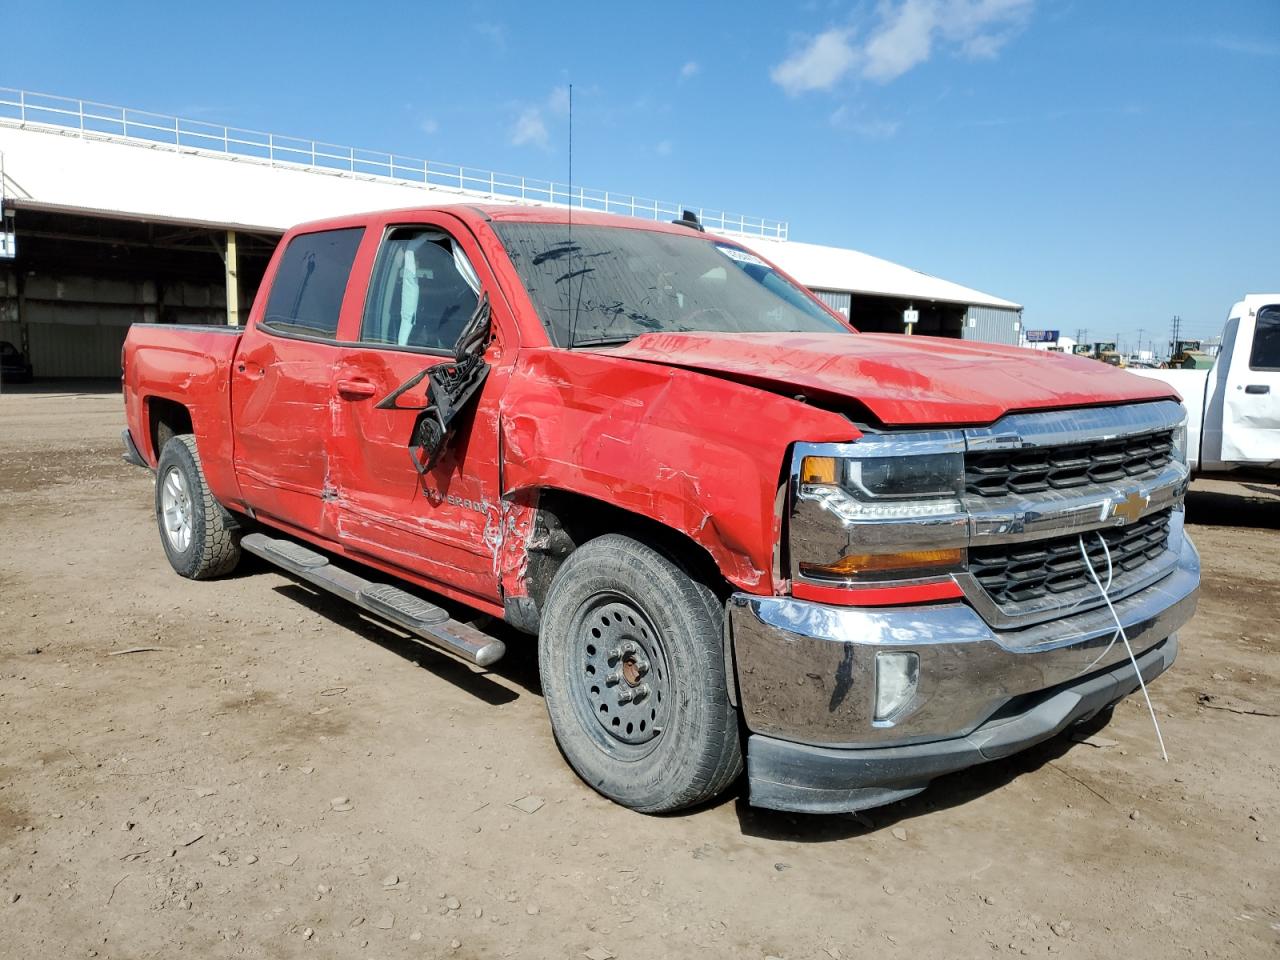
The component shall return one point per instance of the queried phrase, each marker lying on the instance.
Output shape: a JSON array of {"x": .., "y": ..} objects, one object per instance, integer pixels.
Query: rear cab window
[
  {"x": 1265, "y": 354},
  {"x": 306, "y": 294}
]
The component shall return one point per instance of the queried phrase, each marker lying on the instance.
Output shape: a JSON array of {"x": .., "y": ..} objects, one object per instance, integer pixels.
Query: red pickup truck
[{"x": 743, "y": 533}]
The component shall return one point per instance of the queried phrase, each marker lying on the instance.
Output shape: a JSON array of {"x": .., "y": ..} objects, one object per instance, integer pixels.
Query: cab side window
[
  {"x": 306, "y": 295},
  {"x": 1266, "y": 340},
  {"x": 423, "y": 291}
]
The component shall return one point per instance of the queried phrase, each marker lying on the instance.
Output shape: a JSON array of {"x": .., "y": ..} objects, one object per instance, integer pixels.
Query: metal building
[
  {"x": 111, "y": 216},
  {"x": 874, "y": 293}
]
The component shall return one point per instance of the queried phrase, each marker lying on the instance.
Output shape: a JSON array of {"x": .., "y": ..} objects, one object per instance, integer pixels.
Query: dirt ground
[{"x": 285, "y": 778}]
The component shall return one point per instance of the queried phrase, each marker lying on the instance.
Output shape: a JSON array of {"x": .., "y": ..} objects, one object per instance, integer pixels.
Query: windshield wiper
[{"x": 604, "y": 341}]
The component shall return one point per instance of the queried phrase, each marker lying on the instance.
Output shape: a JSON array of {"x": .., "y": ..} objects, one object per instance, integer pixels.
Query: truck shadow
[
  {"x": 1217, "y": 509},
  {"x": 942, "y": 794},
  {"x": 518, "y": 666},
  {"x": 63, "y": 387}
]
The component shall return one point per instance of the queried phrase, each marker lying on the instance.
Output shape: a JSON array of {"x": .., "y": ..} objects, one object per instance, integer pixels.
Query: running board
[{"x": 400, "y": 607}]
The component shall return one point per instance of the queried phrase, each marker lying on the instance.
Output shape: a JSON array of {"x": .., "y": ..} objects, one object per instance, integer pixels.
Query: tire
[
  {"x": 620, "y": 616},
  {"x": 200, "y": 538}
]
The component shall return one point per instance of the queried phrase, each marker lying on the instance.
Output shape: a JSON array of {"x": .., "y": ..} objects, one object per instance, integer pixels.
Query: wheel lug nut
[
  {"x": 625, "y": 695},
  {"x": 642, "y": 666},
  {"x": 622, "y": 650},
  {"x": 613, "y": 678},
  {"x": 640, "y": 692}
]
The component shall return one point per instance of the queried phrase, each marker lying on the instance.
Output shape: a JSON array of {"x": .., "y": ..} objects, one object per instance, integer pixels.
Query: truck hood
[{"x": 902, "y": 381}]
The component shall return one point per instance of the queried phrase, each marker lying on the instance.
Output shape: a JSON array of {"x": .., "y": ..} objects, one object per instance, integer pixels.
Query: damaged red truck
[{"x": 743, "y": 533}]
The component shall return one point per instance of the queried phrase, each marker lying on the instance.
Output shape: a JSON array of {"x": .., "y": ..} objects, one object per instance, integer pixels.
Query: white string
[
  {"x": 1105, "y": 591},
  {"x": 1120, "y": 631}
]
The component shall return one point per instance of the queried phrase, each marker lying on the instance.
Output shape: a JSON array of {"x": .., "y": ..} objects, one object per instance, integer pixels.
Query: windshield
[{"x": 612, "y": 283}]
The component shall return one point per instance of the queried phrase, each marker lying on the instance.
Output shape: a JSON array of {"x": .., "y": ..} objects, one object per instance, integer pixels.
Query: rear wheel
[
  {"x": 200, "y": 538},
  {"x": 633, "y": 672}
]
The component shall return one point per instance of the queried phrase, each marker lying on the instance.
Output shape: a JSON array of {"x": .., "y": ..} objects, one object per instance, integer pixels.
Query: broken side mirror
[{"x": 450, "y": 389}]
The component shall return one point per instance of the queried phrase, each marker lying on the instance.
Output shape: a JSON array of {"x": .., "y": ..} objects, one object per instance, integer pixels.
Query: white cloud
[
  {"x": 689, "y": 70},
  {"x": 842, "y": 118},
  {"x": 820, "y": 65},
  {"x": 495, "y": 33},
  {"x": 429, "y": 126},
  {"x": 530, "y": 128},
  {"x": 663, "y": 149},
  {"x": 558, "y": 102},
  {"x": 905, "y": 35},
  {"x": 1252, "y": 46},
  {"x": 903, "y": 40}
]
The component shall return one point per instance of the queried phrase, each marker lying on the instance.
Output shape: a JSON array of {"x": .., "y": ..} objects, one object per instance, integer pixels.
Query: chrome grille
[
  {"x": 1000, "y": 473},
  {"x": 1017, "y": 573}
]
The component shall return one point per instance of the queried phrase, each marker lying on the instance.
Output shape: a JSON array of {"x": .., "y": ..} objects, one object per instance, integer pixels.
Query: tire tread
[
  {"x": 718, "y": 760},
  {"x": 218, "y": 537}
]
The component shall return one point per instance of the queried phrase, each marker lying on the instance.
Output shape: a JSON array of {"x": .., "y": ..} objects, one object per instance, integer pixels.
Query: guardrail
[{"x": 99, "y": 120}]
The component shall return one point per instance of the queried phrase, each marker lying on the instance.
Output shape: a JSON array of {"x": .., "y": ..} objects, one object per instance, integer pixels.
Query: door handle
[
  {"x": 356, "y": 389},
  {"x": 1258, "y": 388}
]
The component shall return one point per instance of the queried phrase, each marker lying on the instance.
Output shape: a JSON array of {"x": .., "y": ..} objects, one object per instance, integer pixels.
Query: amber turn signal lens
[
  {"x": 818, "y": 470},
  {"x": 859, "y": 563}
]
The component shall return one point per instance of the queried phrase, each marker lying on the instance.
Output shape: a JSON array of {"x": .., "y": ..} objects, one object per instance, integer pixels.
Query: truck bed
[
  {"x": 1190, "y": 385},
  {"x": 191, "y": 366}
]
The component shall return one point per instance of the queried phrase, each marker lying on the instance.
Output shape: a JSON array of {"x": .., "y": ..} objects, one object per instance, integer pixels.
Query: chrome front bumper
[{"x": 806, "y": 671}]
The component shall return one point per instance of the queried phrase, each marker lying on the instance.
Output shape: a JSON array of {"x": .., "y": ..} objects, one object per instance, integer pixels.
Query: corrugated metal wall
[
  {"x": 992, "y": 325},
  {"x": 840, "y": 302},
  {"x": 76, "y": 325}
]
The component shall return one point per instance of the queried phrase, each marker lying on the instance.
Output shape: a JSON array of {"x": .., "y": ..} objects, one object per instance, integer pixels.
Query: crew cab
[
  {"x": 1233, "y": 405},
  {"x": 741, "y": 533}
]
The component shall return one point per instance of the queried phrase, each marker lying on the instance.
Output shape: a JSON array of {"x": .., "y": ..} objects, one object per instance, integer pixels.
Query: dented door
[
  {"x": 282, "y": 383},
  {"x": 444, "y": 523}
]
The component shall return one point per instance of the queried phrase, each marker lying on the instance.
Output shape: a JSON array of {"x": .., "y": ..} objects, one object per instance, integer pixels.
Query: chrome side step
[{"x": 397, "y": 606}]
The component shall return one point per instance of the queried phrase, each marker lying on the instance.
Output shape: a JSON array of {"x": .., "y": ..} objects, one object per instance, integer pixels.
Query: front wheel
[
  {"x": 200, "y": 538},
  {"x": 632, "y": 663}
]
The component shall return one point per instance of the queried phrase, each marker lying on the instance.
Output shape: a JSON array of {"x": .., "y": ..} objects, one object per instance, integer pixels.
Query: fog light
[{"x": 896, "y": 677}]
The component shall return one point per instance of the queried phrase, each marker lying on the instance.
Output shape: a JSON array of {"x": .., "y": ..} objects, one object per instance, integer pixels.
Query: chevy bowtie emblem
[{"x": 1130, "y": 508}]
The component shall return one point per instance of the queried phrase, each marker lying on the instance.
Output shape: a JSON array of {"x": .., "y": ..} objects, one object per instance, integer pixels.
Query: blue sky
[{"x": 1106, "y": 164}]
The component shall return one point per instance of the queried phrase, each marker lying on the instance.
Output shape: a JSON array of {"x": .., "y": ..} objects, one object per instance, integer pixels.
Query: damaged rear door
[
  {"x": 282, "y": 382},
  {"x": 432, "y": 509}
]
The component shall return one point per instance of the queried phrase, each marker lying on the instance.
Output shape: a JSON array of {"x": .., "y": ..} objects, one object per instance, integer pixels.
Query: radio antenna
[{"x": 573, "y": 313}]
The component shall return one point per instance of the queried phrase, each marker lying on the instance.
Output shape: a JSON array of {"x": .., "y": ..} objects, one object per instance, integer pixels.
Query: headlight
[
  {"x": 888, "y": 487},
  {"x": 880, "y": 516}
]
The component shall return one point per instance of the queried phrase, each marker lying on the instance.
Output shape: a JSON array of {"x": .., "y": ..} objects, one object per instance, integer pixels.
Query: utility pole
[
  {"x": 1173, "y": 337},
  {"x": 1141, "y": 330}
]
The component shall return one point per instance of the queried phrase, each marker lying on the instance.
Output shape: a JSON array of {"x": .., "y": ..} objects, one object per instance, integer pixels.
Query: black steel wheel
[
  {"x": 624, "y": 674},
  {"x": 632, "y": 664}
]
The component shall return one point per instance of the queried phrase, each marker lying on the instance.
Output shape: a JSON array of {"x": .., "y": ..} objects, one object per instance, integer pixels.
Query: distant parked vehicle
[
  {"x": 14, "y": 365},
  {"x": 1233, "y": 405}
]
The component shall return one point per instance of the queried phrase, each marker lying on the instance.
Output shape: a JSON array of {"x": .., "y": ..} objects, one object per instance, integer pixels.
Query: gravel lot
[{"x": 286, "y": 778}]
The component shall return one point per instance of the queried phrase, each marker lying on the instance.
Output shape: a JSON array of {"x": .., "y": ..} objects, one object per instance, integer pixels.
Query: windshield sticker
[{"x": 741, "y": 256}]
